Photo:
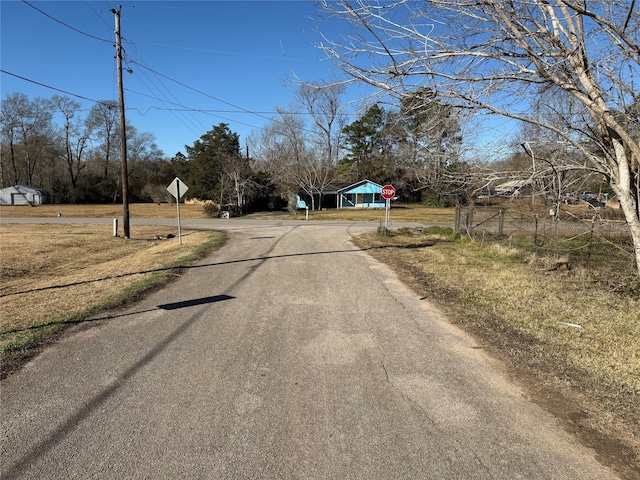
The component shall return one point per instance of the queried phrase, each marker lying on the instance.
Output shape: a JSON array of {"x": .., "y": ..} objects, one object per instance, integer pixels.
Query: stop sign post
[{"x": 388, "y": 192}]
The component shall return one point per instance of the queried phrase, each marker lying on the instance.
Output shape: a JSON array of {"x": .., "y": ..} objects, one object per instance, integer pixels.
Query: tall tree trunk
[
  {"x": 623, "y": 187},
  {"x": 16, "y": 179}
]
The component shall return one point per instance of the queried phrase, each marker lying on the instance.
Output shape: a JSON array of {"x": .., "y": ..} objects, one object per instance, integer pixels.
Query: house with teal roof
[{"x": 362, "y": 194}]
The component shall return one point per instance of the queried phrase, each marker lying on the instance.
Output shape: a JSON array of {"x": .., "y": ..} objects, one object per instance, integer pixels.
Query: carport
[{"x": 23, "y": 195}]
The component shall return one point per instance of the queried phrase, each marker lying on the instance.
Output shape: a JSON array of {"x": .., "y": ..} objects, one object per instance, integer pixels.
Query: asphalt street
[{"x": 287, "y": 354}]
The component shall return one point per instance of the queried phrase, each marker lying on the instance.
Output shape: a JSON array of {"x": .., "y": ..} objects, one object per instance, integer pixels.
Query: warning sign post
[{"x": 177, "y": 188}]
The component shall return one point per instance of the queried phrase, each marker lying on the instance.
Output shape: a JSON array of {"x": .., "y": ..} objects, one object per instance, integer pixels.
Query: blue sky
[{"x": 236, "y": 54}]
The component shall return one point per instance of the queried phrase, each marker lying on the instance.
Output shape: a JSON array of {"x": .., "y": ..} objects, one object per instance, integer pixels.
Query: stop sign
[{"x": 388, "y": 192}]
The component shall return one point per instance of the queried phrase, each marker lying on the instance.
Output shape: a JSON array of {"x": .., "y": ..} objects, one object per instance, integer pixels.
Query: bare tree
[
  {"x": 271, "y": 148},
  {"x": 554, "y": 169},
  {"x": 322, "y": 102},
  {"x": 289, "y": 146},
  {"x": 104, "y": 118},
  {"x": 75, "y": 137},
  {"x": 284, "y": 153},
  {"x": 241, "y": 175},
  {"x": 26, "y": 129},
  {"x": 143, "y": 155},
  {"x": 497, "y": 56}
]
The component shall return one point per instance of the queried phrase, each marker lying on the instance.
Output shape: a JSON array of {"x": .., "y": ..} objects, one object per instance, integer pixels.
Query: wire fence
[{"x": 598, "y": 241}]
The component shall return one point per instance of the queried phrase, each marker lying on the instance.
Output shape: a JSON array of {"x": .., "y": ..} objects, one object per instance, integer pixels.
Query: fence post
[
  {"x": 535, "y": 237},
  {"x": 457, "y": 217},
  {"x": 501, "y": 223},
  {"x": 593, "y": 227},
  {"x": 470, "y": 221}
]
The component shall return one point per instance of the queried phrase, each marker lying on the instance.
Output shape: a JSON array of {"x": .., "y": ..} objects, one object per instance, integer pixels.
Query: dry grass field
[
  {"x": 54, "y": 275},
  {"x": 138, "y": 210},
  {"x": 398, "y": 213}
]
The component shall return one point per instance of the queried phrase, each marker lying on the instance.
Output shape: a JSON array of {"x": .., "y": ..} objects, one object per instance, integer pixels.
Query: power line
[
  {"x": 186, "y": 118},
  {"x": 66, "y": 24},
  {"x": 191, "y": 122},
  {"x": 271, "y": 119},
  {"x": 97, "y": 14},
  {"x": 241, "y": 109},
  {"x": 210, "y": 112},
  {"x": 188, "y": 109},
  {"x": 199, "y": 91},
  {"x": 185, "y": 108},
  {"x": 102, "y": 102}
]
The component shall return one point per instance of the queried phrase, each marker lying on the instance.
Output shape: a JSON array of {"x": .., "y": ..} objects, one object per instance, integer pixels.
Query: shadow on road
[
  {"x": 85, "y": 410},
  {"x": 188, "y": 267},
  {"x": 194, "y": 302}
]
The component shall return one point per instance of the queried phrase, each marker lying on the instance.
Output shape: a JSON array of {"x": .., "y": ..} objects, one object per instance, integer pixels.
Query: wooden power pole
[{"x": 123, "y": 130}]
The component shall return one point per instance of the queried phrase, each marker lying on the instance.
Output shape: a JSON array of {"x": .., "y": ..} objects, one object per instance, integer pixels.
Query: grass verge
[
  {"x": 136, "y": 210},
  {"x": 576, "y": 346},
  {"x": 398, "y": 213},
  {"x": 54, "y": 276}
]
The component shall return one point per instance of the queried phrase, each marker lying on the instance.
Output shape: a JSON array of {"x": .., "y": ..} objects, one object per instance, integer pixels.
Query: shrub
[{"x": 211, "y": 210}]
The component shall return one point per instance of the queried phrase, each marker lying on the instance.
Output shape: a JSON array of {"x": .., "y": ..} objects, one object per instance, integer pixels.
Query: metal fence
[{"x": 599, "y": 239}]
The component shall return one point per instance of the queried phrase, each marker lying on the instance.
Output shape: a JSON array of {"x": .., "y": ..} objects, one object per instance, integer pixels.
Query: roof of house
[
  {"x": 363, "y": 186},
  {"x": 512, "y": 185},
  {"x": 23, "y": 189}
]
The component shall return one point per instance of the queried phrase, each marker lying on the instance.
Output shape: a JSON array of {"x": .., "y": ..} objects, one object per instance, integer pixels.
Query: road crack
[{"x": 412, "y": 402}]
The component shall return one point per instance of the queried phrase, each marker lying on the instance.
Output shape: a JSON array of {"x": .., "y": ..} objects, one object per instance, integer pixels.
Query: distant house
[
  {"x": 362, "y": 194},
  {"x": 23, "y": 195},
  {"x": 510, "y": 188}
]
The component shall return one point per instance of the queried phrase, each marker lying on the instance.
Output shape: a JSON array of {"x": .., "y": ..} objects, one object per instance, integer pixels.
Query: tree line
[
  {"x": 309, "y": 147},
  {"x": 75, "y": 155},
  {"x": 50, "y": 144}
]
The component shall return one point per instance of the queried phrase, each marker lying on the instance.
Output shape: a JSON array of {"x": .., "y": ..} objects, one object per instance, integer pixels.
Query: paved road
[{"x": 287, "y": 354}]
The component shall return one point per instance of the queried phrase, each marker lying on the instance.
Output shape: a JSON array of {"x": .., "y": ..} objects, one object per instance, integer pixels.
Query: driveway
[{"x": 287, "y": 354}]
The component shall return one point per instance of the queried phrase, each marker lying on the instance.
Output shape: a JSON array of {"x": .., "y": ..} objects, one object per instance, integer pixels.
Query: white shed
[{"x": 23, "y": 195}]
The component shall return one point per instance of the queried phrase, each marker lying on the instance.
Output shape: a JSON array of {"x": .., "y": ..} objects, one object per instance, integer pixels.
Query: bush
[{"x": 211, "y": 210}]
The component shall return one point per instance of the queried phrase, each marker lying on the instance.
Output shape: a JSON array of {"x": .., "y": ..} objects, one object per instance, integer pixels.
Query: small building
[
  {"x": 23, "y": 195},
  {"x": 512, "y": 187},
  {"x": 362, "y": 194}
]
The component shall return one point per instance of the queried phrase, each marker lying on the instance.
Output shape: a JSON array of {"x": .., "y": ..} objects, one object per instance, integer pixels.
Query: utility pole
[{"x": 123, "y": 130}]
